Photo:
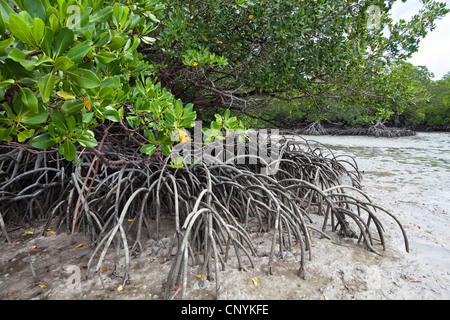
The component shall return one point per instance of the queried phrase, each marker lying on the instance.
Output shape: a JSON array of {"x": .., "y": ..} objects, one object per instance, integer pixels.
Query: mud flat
[{"x": 410, "y": 176}]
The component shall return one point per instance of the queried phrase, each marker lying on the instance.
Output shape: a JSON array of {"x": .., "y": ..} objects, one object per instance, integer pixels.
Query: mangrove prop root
[{"x": 214, "y": 208}]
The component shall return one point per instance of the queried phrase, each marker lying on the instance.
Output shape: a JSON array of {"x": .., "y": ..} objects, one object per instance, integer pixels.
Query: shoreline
[{"x": 415, "y": 191}]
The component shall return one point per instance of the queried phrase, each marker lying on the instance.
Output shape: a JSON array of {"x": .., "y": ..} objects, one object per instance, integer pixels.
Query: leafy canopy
[
  {"x": 66, "y": 66},
  {"x": 243, "y": 54}
]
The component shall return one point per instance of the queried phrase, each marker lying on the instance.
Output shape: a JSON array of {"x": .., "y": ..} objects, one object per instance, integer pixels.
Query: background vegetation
[{"x": 286, "y": 63}]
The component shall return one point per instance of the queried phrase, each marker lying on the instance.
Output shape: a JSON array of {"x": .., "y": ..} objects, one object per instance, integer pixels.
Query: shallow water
[
  {"x": 419, "y": 163},
  {"x": 411, "y": 177}
]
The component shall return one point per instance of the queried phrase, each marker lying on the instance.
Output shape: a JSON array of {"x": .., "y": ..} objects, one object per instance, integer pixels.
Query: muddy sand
[{"x": 338, "y": 270}]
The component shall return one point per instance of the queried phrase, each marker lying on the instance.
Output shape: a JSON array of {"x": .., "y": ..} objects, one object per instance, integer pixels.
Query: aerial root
[{"x": 214, "y": 208}]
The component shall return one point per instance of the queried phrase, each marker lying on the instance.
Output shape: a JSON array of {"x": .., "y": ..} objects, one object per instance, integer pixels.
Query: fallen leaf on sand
[
  {"x": 255, "y": 281},
  {"x": 413, "y": 280},
  {"x": 325, "y": 297},
  {"x": 120, "y": 288},
  {"x": 32, "y": 247}
]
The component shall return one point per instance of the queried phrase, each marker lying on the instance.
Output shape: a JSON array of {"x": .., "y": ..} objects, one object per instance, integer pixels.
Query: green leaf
[
  {"x": 227, "y": 114},
  {"x": 148, "y": 149},
  {"x": 116, "y": 43},
  {"x": 5, "y": 134},
  {"x": 35, "y": 119},
  {"x": 35, "y": 9},
  {"x": 25, "y": 134},
  {"x": 87, "y": 118},
  {"x": 150, "y": 136},
  {"x": 72, "y": 106},
  {"x": 218, "y": 119},
  {"x": 20, "y": 57},
  {"x": 6, "y": 83},
  {"x": 148, "y": 40},
  {"x": 5, "y": 44},
  {"x": 188, "y": 121},
  {"x": 46, "y": 44},
  {"x": 101, "y": 16},
  {"x": 43, "y": 141},
  {"x": 106, "y": 57},
  {"x": 208, "y": 140},
  {"x": 5, "y": 11},
  {"x": 58, "y": 120},
  {"x": 29, "y": 99},
  {"x": 38, "y": 29},
  {"x": 68, "y": 150},
  {"x": 88, "y": 143},
  {"x": 63, "y": 63},
  {"x": 106, "y": 92},
  {"x": 111, "y": 114},
  {"x": 71, "y": 124},
  {"x": 85, "y": 78},
  {"x": 62, "y": 40},
  {"x": 46, "y": 85},
  {"x": 54, "y": 22},
  {"x": 77, "y": 53},
  {"x": 20, "y": 30},
  {"x": 166, "y": 150}
]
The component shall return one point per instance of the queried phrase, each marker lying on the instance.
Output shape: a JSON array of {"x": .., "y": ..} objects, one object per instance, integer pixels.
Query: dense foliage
[
  {"x": 429, "y": 109},
  {"x": 65, "y": 66},
  {"x": 271, "y": 59},
  {"x": 435, "y": 111}
]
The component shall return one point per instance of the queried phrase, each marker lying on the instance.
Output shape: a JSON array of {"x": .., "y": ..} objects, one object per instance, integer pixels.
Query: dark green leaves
[
  {"x": 111, "y": 114},
  {"x": 46, "y": 85},
  {"x": 68, "y": 150},
  {"x": 35, "y": 9},
  {"x": 21, "y": 30},
  {"x": 63, "y": 63},
  {"x": 43, "y": 141},
  {"x": 29, "y": 100},
  {"x": 62, "y": 40},
  {"x": 85, "y": 78},
  {"x": 72, "y": 106},
  {"x": 77, "y": 53},
  {"x": 148, "y": 149},
  {"x": 65, "y": 76}
]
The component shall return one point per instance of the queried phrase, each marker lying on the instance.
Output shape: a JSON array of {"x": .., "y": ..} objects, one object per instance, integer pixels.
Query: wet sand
[{"x": 409, "y": 176}]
